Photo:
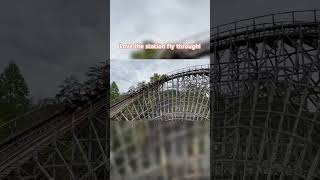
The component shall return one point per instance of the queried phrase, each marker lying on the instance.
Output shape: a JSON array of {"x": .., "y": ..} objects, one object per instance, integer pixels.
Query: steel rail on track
[
  {"x": 258, "y": 35},
  {"x": 291, "y": 17},
  {"x": 25, "y": 141},
  {"x": 242, "y": 30},
  {"x": 19, "y": 123}
]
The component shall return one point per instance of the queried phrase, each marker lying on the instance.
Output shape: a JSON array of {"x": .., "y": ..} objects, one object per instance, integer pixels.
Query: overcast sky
[
  {"x": 161, "y": 21},
  {"x": 133, "y": 21},
  {"x": 51, "y": 39}
]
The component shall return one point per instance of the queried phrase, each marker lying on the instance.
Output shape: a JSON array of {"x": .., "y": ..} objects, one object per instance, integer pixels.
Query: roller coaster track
[
  {"x": 19, "y": 148},
  {"x": 265, "y": 97},
  {"x": 174, "y": 103},
  {"x": 185, "y": 72}
]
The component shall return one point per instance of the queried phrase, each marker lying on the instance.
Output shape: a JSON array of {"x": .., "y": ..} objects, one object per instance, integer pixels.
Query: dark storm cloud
[
  {"x": 230, "y": 10},
  {"x": 52, "y": 39}
]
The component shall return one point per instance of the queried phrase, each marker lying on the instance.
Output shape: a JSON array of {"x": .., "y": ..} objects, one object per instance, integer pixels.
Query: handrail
[
  {"x": 263, "y": 21},
  {"x": 273, "y": 15},
  {"x": 292, "y": 17},
  {"x": 21, "y": 122},
  {"x": 2, "y": 124}
]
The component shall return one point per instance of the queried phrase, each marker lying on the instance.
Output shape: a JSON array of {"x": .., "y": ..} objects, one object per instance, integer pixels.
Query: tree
[
  {"x": 72, "y": 91},
  {"x": 13, "y": 87},
  {"x": 14, "y": 95},
  {"x": 97, "y": 76},
  {"x": 141, "y": 84},
  {"x": 114, "y": 91},
  {"x": 2, "y": 88},
  {"x": 157, "y": 77},
  {"x": 70, "y": 86}
]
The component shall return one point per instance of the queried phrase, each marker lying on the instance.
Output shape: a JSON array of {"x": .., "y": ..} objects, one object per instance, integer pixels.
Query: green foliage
[
  {"x": 13, "y": 87},
  {"x": 170, "y": 54},
  {"x": 141, "y": 84},
  {"x": 157, "y": 77},
  {"x": 145, "y": 53},
  {"x": 14, "y": 94},
  {"x": 114, "y": 91},
  {"x": 69, "y": 86},
  {"x": 72, "y": 88}
]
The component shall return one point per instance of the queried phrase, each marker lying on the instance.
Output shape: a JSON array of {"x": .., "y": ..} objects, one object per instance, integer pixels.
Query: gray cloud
[
  {"x": 52, "y": 39},
  {"x": 161, "y": 21}
]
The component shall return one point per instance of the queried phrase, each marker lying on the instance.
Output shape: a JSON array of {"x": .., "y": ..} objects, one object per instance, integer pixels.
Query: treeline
[
  {"x": 114, "y": 89},
  {"x": 73, "y": 90},
  {"x": 15, "y": 97}
]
